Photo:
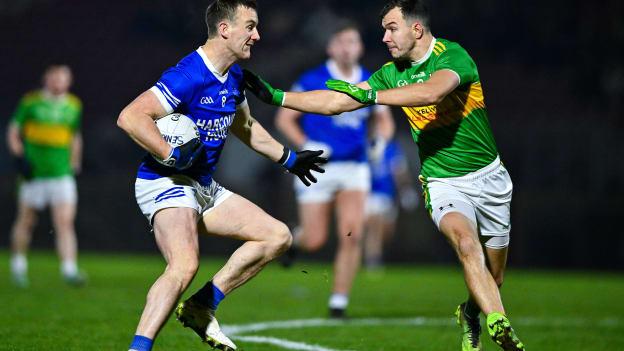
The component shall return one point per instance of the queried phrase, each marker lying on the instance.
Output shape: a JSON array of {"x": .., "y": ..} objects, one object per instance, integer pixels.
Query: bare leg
[
  {"x": 497, "y": 262},
  {"x": 462, "y": 235},
  {"x": 266, "y": 238},
  {"x": 176, "y": 235},
  {"x": 350, "y": 213},
  {"x": 373, "y": 241},
  {"x": 63, "y": 216},
  {"x": 315, "y": 219},
  {"x": 22, "y": 229},
  {"x": 21, "y": 236}
]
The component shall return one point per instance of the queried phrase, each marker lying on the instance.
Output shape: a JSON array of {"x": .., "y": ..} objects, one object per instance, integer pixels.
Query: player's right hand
[
  {"x": 182, "y": 157},
  {"x": 263, "y": 90}
]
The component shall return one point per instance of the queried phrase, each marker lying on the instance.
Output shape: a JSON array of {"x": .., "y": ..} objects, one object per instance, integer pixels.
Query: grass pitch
[{"x": 401, "y": 308}]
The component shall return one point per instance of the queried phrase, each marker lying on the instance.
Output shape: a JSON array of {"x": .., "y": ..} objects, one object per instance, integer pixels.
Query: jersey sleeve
[
  {"x": 174, "y": 87},
  {"x": 21, "y": 112},
  {"x": 378, "y": 79},
  {"x": 458, "y": 61}
]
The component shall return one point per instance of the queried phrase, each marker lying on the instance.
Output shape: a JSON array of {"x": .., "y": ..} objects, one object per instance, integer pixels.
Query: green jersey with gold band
[
  {"x": 47, "y": 126},
  {"x": 454, "y": 137}
]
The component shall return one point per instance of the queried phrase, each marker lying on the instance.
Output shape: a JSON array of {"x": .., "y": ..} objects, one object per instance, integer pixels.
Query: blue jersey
[
  {"x": 194, "y": 88},
  {"x": 346, "y": 133},
  {"x": 382, "y": 178}
]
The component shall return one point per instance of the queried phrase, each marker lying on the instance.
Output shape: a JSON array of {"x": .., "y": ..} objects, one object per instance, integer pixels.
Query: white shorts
[
  {"x": 177, "y": 191},
  {"x": 39, "y": 193},
  {"x": 483, "y": 196},
  {"x": 338, "y": 176},
  {"x": 383, "y": 205}
]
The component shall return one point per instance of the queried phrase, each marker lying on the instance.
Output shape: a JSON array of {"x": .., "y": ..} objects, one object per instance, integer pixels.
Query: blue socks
[
  {"x": 209, "y": 296},
  {"x": 141, "y": 343}
]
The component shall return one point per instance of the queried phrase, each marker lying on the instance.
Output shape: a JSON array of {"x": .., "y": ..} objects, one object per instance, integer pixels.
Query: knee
[
  {"x": 351, "y": 240},
  {"x": 26, "y": 222},
  {"x": 281, "y": 239},
  {"x": 184, "y": 270},
  {"x": 312, "y": 243},
  {"x": 468, "y": 248}
]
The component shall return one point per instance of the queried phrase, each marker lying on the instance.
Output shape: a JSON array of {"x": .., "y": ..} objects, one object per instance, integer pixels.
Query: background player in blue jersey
[
  {"x": 183, "y": 200},
  {"x": 390, "y": 185},
  {"x": 347, "y": 179}
]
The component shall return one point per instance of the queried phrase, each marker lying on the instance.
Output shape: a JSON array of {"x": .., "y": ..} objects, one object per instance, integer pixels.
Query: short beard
[{"x": 406, "y": 55}]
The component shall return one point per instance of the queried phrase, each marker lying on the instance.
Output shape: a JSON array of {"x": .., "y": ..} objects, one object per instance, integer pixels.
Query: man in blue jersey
[
  {"x": 390, "y": 184},
  {"x": 346, "y": 182},
  {"x": 183, "y": 200}
]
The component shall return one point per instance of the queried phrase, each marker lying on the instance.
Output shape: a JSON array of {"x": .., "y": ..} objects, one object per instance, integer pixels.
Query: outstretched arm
[
  {"x": 427, "y": 93},
  {"x": 323, "y": 102}
]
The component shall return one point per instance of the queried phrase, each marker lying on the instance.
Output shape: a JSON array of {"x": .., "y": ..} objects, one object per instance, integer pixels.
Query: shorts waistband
[{"x": 481, "y": 173}]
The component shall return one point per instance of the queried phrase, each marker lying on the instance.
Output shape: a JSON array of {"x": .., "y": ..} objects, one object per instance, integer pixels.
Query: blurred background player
[
  {"x": 45, "y": 140},
  {"x": 391, "y": 186},
  {"x": 346, "y": 182},
  {"x": 183, "y": 200}
]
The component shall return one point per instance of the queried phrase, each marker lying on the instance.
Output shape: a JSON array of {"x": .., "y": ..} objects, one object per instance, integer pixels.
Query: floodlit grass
[{"x": 549, "y": 310}]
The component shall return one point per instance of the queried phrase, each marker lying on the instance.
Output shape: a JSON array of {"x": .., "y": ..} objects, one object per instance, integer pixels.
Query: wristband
[
  {"x": 278, "y": 97},
  {"x": 288, "y": 158}
]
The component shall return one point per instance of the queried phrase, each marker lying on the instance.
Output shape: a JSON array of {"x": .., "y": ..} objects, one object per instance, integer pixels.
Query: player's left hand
[
  {"x": 302, "y": 163},
  {"x": 263, "y": 90},
  {"x": 363, "y": 96}
]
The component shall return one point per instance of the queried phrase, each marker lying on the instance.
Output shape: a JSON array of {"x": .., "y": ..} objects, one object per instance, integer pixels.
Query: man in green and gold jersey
[
  {"x": 467, "y": 189},
  {"x": 45, "y": 140}
]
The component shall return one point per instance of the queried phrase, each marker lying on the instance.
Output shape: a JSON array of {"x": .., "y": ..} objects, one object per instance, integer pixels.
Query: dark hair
[
  {"x": 224, "y": 9},
  {"x": 344, "y": 24},
  {"x": 410, "y": 9}
]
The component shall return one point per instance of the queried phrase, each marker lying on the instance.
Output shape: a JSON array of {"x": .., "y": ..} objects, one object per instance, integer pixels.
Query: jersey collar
[
  {"x": 426, "y": 57},
  {"x": 49, "y": 96},
  {"x": 221, "y": 77},
  {"x": 356, "y": 76}
]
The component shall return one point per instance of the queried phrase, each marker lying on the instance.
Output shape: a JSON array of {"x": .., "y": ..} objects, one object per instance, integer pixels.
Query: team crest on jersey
[
  {"x": 402, "y": 83},
  {"x": 206, "y": 100}
]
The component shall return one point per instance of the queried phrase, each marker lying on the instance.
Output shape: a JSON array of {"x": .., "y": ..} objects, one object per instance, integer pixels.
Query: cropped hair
[
  {"x": 224, "y": 9},
  {"x": 411, "y": 9}
]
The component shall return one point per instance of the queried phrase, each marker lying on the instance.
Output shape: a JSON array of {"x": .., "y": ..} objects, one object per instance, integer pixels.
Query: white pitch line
[
  {"x": 283, "y": 343},
  {"x": 320, "y": 322},
  {"x": 415, "y": 321},
  {"x": 235, "y": 331}
]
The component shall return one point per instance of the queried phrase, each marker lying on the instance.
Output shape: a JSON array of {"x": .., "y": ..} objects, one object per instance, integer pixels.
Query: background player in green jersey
[
  {"x": 467, "y": 189},
  {"x": 45, "y": 140}
]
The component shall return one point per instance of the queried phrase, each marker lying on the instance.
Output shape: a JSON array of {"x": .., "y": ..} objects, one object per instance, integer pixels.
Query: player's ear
[
  {"x": 224, "y": 29},
  {"x": 418, "y": 29}
]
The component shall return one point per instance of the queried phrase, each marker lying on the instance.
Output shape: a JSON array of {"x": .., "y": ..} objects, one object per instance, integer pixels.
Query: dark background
[{"x": 553, "y": 75}]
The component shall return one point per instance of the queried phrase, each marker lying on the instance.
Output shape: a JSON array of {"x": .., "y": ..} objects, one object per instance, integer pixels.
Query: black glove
[
  {"x": 302, "y": 163},
  {"x": 263, "y": 90},
  {"x": 23, "y": 167},
  {"x": 183, "y": 156}
]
